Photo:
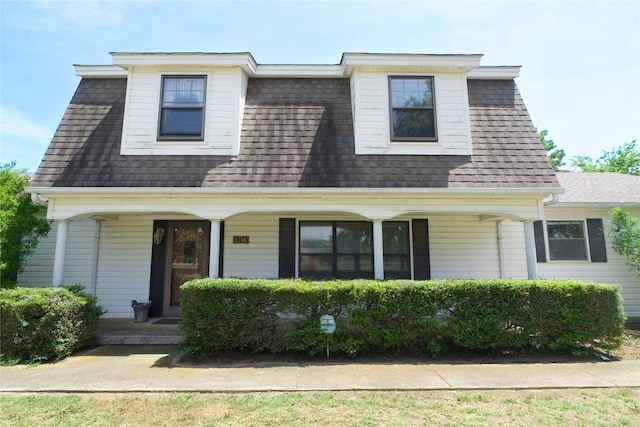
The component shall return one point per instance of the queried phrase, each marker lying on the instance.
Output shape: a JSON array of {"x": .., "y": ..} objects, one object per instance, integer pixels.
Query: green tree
[
  {"x": 554, "y": 154},
  {"x": 626, "y": 237},
  {"x": 624, "y": 159},
  {"x": 20, "y": 226}
]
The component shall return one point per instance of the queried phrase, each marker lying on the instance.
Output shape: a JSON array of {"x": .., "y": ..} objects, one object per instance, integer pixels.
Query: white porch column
[
  {"x": 61, "y": 249},
  {"x": 530, "y": 247},
  {"x": 96, "y": 252},
  {"x": 214, "y": 249},
  {"x": 378, "y": 259}
]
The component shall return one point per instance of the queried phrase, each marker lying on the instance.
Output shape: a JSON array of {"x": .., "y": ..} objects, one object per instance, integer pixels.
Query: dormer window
[
  {"x": 413, "y": 112},
  {"x": 182, "y": 107}
]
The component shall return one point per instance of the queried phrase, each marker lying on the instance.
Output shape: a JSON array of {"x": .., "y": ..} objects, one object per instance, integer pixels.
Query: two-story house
[{"x": 173, "y": 166}]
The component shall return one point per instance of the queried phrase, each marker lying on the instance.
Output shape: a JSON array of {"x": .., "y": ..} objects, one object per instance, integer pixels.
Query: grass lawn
[{"x": 593, "y": 407}]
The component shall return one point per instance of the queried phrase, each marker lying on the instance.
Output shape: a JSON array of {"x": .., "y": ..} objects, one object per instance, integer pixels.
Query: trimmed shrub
[
  {"x": 39, "y": 324},
  {"x": 399, "y": 315}
]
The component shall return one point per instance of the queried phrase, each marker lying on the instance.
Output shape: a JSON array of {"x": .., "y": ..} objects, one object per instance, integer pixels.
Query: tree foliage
[
  {"x": 20, "y": 226},
  {"x": 624, "y": 159},
  {"x": 626, "y": 237},
  {"x": 555, "y": 155}
]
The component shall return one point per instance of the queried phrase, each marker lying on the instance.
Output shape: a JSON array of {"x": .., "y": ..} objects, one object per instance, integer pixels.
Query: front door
[{"x": 187, "y": 258}]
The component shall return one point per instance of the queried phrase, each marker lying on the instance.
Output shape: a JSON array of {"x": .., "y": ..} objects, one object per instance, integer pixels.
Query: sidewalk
[{"x": 151, "y": 369}]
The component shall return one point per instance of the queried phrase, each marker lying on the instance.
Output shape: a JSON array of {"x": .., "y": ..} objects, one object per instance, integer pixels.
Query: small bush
[
  {"x": 39, "y": 324},
  {"x": 418, "y": 316}
]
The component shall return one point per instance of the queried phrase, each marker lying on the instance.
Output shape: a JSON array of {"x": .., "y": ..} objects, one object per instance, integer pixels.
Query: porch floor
[{"x": 127, "y": 332}]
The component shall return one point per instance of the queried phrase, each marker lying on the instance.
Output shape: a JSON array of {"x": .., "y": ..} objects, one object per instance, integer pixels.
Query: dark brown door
[{"x": 187, "y": 259}]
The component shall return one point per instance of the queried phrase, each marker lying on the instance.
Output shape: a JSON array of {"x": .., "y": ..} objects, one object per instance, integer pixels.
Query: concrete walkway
[{"x": 152, "y": 368}]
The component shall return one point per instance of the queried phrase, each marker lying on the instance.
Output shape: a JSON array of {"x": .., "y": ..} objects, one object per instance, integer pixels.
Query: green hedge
[
  {"x": 418, "y": 316},
  {"x": 39, "y": 324}
]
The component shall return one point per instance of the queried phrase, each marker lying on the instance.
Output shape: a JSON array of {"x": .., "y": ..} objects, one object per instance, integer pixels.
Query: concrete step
[
  {"x": 127, "y": 332},
  {"x": 138, "y": 340}
]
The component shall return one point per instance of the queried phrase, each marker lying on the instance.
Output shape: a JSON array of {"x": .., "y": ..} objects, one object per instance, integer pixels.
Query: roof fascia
[
  {"x": 594, "y": 205},
  {"x": 469, "y": 63},
  {"x": 299, "y": 70},
  {"x": 350, "y": 61},
  {"x": 100, "y": 71},
  {"x": 495, "y": 73},
  {"x": 198, "y": 59}
]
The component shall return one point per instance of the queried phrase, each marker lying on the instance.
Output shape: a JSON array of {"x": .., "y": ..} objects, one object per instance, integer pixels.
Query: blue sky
[{"x": 581, "y": 59}]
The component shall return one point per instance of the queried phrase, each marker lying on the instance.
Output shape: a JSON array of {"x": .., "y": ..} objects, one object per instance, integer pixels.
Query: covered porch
[{"x": 127, "y": 252}]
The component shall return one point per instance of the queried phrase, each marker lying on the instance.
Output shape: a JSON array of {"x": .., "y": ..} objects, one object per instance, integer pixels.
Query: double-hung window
[
  {"x": 566, "y": 240},
  {"x": 571, "y": 240},
  {"x": 413, "y": 111},
  {"x": 182, "y": 107},
  {"x": 336, "y": 249}
]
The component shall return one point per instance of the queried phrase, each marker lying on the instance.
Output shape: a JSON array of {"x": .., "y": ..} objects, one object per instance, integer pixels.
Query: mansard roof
[{"x": 296, "y": 133}]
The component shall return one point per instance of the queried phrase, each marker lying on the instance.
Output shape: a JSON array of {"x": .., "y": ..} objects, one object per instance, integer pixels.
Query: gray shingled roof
[
  {"x": 599, "y": 187},
  {"x": 296, "y": 133}
]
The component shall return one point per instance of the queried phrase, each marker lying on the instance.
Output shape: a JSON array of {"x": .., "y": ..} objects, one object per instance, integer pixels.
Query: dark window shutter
[
  {"x": 287, "y": 248},
  {"x": 221, "y": 257},
  {"x": 538, "y": 232},
  {"x": 421, "y": 262},
  {"x": 597, "y": 244},
  {"x": 156, "y": 288}
]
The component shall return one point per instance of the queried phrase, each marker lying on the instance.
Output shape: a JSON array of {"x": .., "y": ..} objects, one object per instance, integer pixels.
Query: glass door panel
[{"x": 187, "y": 259}]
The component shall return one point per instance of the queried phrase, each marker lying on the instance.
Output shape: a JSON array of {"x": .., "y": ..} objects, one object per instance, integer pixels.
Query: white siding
[
  {"x": 460, "y": 246},
  {"x": 515, "y": 256},
  {"x": 78, "y": 263},
  {"x": 463, "y": 247},
  {"x": 370, "y": 94},
  {"x": 226, "y": 89},
  {"x": 242, "y": 98},
  {"x": 124, "y": 265},
  {"x": 259, "y": 258},
  {"x": 613, "y": 271}
]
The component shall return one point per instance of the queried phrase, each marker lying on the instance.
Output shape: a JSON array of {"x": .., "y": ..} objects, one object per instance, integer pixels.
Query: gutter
[
  {"x": 627, "y": 205},
  {"x": 180, "y": 191}
]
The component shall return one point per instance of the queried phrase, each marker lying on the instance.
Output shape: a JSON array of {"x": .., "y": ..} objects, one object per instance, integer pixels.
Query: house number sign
[
  {"x": 327, "y": 324},
  {"x": 241, "y": 239}
]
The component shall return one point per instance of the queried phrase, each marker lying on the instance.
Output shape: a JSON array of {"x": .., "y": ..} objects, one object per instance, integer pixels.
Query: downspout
[
  {"x": 500, "y": 248},
  {"x": 39, "y": 200},
  {"x": 553, "y": 198}
]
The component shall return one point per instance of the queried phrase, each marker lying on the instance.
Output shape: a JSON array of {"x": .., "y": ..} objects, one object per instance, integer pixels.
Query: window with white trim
[
  {"x": 412, "y": 109},
  {"x": 566, "y": 240},
  {"x": 570, "y": 240},
  {"x": 182, "y": 107}
]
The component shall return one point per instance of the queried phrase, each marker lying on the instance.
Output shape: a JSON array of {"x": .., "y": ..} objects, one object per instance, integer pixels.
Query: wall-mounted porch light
[{"x": 158, "y": 235}]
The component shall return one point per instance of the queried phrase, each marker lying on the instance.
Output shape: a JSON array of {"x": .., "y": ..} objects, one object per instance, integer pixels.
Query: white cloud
[
  {"x": 42, "y": 16},
  {"x": 22, "y": 139},
  {"x": 14, "y": 123}
]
